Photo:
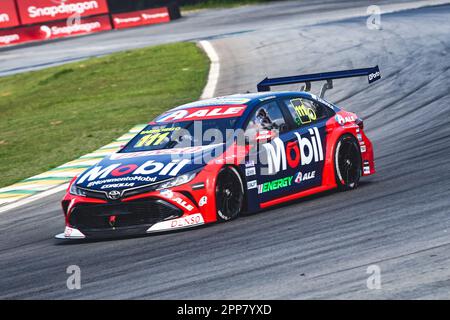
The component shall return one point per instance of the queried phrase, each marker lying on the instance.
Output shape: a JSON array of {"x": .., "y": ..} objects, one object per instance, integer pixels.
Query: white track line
[
  {"x": 214, "y": 70},
  {"x": 34, "y": 198}
]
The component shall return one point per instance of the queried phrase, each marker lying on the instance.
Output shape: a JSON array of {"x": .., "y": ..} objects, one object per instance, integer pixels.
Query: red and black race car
[{"x": 215, "y": 159}]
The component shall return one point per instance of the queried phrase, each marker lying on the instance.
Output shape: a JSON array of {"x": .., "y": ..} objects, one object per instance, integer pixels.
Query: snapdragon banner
[
  {"x": 8, "y": 14},
  {"x": 54, "y": 30},
  {"x": 140, "y": 18},
  {"x": 32, "y": 11}
]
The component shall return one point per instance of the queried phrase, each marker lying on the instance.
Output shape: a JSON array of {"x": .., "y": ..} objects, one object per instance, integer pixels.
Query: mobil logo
[
  {"x": 150, "y": 167},
  {"x": 306, "y": 149}
]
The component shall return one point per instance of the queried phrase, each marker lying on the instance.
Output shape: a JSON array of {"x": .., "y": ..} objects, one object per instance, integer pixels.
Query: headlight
[
  {"x": 177, "y": 181},
  {"x": 74, "y": 190}
]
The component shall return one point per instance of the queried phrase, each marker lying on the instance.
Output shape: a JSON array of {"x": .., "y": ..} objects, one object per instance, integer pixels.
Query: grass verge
[{"x": 52, "y": 116}]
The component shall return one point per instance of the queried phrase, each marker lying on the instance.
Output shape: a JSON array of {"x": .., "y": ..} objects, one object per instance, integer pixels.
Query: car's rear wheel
[
  {"x": 347, "y": 163},
  {"x": 229, "y": 194}
]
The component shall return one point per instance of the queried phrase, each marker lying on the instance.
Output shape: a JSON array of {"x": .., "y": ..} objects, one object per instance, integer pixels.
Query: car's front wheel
[
  {"x": 229, "y": 194},
  {"x": 347, "y": 162}
]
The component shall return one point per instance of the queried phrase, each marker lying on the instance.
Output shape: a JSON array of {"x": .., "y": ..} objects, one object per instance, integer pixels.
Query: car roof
[{"x": 240, "y": 99}]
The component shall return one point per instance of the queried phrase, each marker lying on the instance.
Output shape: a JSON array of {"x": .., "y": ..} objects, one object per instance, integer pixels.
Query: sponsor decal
[
  {"x": 160, "y": 130},
  {"x": 305, "y": 176},
  {"x": 68, "y": 231},
  {"x": 54, "y": 30},
  {"x": 329, "y": 105},
  {"x": 150, "y": 167},
  {"x": 73, "y": 233},
  {"x": 4, "y": 17},
  {"x": 305, "y": 114},
  {"x": 374, "y": 76},
  {"x": 275, "y": 184},
  {"x": 202, "y": 113},
  {"x": 162, "y": 152},
  {"x": 304, "y": 151},
  {"x": 363, "y": 148},
  {"x": 68, "y": 30},
  {"x": 117, "y": 186},
  {"x": 250, "y": 163},
  {"x": 189, "y": 221},
  {"x": 252, "y": 184},
  {"x": 366, "y": 167},
  {"x": 220, "y": 101},
  {"x": 139, "y": 18},
  {"x": 264, "y": 135},
  {"x": 8, "y": 14},
  {"x": 121, "y": 180},
  {"x": 9, "y": 39},
  {"x": 359, "y": 136},
  {"x": 183, "y": 204},
  {"x": 343, "y": 120},
  {"x": 32, "y": 11},
  {"x": 154, "y": 137},
  {"x": 166, "y": 193},
  {"x": 203, "y": 201},
  {"x": 250, "y": 172}
]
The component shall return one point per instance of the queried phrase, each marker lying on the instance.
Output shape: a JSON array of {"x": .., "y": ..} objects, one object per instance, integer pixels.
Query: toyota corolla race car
[{"x": 215, "y": 159}]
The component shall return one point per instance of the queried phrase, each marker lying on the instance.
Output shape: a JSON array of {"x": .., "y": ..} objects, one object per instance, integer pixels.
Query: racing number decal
[
  {"x": 151, "y": 139},
  {"x": 305, "y": 114},
  {"x": 154, "y": 137}
]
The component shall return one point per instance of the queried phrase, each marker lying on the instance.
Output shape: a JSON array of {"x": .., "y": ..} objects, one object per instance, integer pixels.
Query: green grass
[
  {"x": 210, "y": 4},
  {"x": 55, "y": 115}
]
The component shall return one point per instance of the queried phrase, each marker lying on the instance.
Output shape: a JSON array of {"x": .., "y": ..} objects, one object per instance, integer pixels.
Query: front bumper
[
  {"x": 157, "y": 211},
  {"x": 190, "y": 221}
]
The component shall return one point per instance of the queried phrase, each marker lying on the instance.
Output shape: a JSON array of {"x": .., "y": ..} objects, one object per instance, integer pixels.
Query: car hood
[{"x": 122, "y": 171}]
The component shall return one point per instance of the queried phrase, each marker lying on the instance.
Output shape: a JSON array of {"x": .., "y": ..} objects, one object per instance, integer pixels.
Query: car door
[
  {"x": 264, "y": 169},
  {"x": 306, "y": 146}
]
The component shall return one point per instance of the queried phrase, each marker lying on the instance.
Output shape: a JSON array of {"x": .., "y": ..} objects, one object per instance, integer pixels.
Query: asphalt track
[{"x": 318, "y": 247}]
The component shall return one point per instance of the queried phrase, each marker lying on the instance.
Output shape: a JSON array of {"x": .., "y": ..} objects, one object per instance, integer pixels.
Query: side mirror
[{"x": 284, "y": 128}]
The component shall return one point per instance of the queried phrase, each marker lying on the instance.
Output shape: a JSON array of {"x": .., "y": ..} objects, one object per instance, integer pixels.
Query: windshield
[{"x": 182, "y": 134}]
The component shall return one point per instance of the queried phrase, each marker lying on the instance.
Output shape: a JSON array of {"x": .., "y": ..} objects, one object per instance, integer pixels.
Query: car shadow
[{"x": 69, "y": 242}]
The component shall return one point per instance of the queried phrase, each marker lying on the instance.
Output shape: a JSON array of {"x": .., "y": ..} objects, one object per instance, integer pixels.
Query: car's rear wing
[{"x": 373, "y": 74}]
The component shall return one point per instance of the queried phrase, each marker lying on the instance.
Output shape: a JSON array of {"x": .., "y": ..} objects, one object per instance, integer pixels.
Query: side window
[
  {"x": 267, "y": 117},
  {"x": 305, "y": 112}
]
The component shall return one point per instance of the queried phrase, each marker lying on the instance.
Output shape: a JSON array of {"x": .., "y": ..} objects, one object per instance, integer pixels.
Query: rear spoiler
[{"x": 373, "y": 74}]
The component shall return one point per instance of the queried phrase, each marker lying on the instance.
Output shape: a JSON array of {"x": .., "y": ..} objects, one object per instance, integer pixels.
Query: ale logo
[{"x": 304, "y": 177}]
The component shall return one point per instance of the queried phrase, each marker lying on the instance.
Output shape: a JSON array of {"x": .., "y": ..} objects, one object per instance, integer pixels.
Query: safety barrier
[{"x": 23, "y": 21}]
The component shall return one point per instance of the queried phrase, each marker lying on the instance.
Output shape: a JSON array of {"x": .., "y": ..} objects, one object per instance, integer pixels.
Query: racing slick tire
[
  {"x": 229, "y": 194},
  {"x": 347, "y": 163}
]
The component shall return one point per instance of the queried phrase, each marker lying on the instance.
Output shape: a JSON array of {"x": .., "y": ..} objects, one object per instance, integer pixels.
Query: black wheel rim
[
  {"x": 349, "y": 163},
  {"x": 229, "y": 194}
]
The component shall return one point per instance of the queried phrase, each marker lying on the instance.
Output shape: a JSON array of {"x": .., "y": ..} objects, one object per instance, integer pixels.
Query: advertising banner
[
  {"x": 8, "y": 14},
  {"x": 54, "y": 30},
  {"x": 140, "y": 18},
  {"x": 33, "y": 11}
]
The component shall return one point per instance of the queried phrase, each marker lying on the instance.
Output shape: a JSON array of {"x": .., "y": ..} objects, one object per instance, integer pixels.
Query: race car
[{"x": 216, "y": 159}]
